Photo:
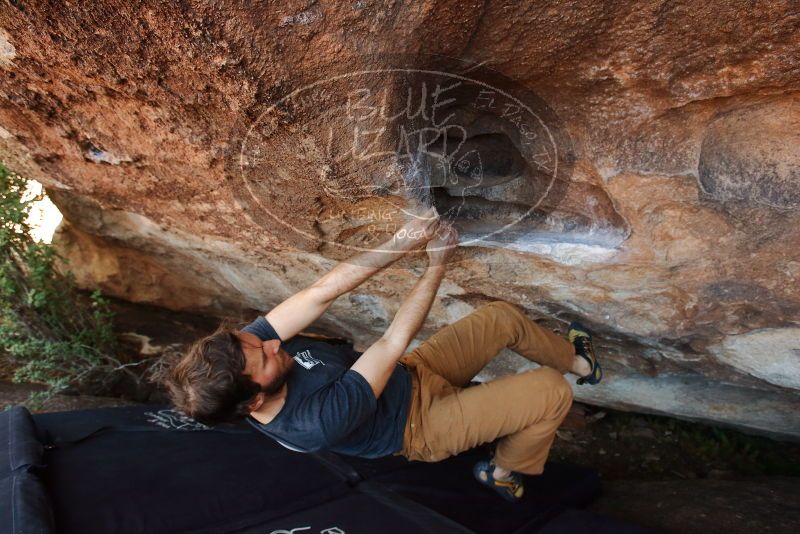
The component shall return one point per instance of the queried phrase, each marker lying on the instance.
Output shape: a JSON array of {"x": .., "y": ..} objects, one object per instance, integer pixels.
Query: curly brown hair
[{"x": 208, "y": 383}]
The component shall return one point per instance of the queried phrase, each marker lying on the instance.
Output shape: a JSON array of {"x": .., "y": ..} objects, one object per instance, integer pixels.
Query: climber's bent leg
[
  {"x": 459, "y": 351},
  {"x": 523, "y": 410}
]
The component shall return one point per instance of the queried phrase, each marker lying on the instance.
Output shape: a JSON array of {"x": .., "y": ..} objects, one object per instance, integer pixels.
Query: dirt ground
[
  {"x": 682, "y": 477},
  {"x": 635, "y": 446}
]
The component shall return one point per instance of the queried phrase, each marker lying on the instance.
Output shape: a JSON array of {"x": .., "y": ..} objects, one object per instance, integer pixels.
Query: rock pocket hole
[{"x": 497, "y": 197}]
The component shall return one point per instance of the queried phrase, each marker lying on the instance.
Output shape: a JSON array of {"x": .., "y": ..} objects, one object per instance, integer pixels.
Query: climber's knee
[
  {"x": 553, "y": 379},
  {"x": 560, "y": 388},
  {"x": 502, "y": 307},
  {"x": 505, "y": 318},
  {"x": 501, "y": 304}
]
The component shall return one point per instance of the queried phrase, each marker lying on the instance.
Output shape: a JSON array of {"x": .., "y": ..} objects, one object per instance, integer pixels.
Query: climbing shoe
[
  {"x": 580, "y": 336},
  {"x": 511, "y": 489}
]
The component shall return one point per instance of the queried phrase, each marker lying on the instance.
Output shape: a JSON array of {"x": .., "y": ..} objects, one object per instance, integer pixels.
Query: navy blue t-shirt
[{"x": 329, "y": 406}]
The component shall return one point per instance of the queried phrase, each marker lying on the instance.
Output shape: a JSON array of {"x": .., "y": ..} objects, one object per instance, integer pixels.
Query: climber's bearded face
[{"x": 266, "y": 363}]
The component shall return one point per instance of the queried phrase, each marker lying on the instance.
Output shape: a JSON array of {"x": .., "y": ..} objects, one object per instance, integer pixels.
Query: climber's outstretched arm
[
  {"x": 296, "y": 313},
  {"x": 378, "y": 362}
]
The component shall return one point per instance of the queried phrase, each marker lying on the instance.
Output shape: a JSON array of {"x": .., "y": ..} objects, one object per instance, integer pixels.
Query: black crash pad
[{"x": 150, "y": 470}]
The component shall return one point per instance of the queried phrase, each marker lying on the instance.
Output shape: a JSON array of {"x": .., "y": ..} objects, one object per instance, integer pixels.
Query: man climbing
[{"x": 311, "y": 395}]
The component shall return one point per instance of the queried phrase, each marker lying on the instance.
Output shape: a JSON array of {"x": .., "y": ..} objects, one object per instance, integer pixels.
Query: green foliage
[{"x": 52, "y": 334}]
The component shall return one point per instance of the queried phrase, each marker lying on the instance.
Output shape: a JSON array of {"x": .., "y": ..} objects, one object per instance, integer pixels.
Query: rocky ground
[
  {"x": 636, "y": 446},
  {"x": 660, "y": 472},
  {"x": 676, "y": 476}
]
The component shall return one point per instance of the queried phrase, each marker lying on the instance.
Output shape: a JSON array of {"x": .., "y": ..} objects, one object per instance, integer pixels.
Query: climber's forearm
[
  {"x": 379, "y": 360},
  {"x": 296, "y": 313},
  {"x": 412, "y": 313},
  {"x": 351, "y": 273}
]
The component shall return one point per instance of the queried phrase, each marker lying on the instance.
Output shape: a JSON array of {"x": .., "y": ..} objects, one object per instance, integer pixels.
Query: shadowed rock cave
[
  {"x": 511, "y": 202},
  {"x": 500, "y": 192}
]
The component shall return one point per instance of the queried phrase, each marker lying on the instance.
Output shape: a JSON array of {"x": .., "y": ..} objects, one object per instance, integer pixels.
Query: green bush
[{"x": 51, "y": 333}]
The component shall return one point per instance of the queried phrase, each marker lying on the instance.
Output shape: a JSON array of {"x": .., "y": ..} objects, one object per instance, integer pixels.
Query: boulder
[
  {"x": 752, "y": 155},
  {"x": 629, "y": 164}
]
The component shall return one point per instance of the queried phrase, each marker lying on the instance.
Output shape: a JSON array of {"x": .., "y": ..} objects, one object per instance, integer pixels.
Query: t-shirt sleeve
[
  {"x": 345, "y": 405},
  {"x": 261, "y": 328}
]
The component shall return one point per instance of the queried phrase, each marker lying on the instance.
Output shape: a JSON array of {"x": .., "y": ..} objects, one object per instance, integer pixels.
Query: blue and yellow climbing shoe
[
  {"x": 511, "y": 489},
  {"x": 581, "y": 337}
]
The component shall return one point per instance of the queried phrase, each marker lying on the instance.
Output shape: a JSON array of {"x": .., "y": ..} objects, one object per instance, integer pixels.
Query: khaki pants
[{"x": 523, "y": 410}]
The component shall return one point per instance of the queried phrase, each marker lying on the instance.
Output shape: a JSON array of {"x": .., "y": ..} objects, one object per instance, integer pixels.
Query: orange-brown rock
[{"x": 649, "y": 190}]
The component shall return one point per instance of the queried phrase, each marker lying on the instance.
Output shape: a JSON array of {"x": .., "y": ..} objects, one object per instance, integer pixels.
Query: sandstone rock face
[
  {"x": 634, "y": 165},
  {"x": 752, "y": 154}
]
